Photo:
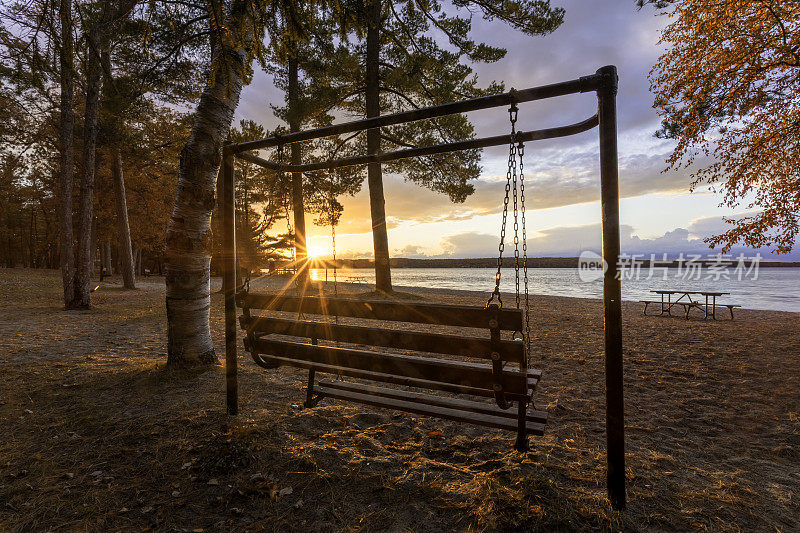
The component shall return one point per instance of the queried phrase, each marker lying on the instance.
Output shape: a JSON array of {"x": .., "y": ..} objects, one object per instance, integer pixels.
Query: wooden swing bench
[{"x": 501, "y": 375}]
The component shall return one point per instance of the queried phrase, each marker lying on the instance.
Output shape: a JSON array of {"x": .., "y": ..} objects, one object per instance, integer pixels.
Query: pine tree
[
  {"x": 151, "y": 55},
  {"x": 386, "y": 60}
]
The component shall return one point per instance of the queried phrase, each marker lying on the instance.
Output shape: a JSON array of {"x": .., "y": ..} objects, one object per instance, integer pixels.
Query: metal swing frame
[{"x": 604, "y": 84}]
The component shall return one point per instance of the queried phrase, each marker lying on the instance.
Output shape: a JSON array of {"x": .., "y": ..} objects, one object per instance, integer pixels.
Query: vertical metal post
[
  {"x": 612, "y": 294},
  {"x": 228, "y": 212}
]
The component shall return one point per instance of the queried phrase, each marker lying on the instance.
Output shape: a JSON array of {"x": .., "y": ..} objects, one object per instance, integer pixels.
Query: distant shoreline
[{"x": 533, "y": 262}]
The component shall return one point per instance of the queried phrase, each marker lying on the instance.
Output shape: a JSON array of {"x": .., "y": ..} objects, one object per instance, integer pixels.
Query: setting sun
[{"x": 315, "y": 251}]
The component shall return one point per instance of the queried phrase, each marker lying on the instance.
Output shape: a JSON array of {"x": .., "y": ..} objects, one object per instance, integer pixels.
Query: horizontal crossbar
[
  {"x": 580, "y": 85},
  {"x": 445, "y": 315},
  {"x": 472, "y": 144}
]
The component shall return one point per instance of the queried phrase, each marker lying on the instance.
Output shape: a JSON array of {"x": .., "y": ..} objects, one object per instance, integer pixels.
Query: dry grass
[{"x": 98, "y": 436}]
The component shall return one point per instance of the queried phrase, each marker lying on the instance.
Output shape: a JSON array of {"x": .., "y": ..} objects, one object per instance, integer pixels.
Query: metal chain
[
  {"x": 333, "y": 234},
  {"x": 512, "y": 159},
  {"x": 515, "y": 177},
  {"x": 289, "y": 230},
  {"x": 332, "y": 197},
  {"x": 516, "y": 222},
  {"x": 521, "y": 152}
]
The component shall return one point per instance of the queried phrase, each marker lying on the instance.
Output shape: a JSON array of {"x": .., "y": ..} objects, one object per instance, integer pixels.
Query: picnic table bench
[{"x": 709, "y": 306}]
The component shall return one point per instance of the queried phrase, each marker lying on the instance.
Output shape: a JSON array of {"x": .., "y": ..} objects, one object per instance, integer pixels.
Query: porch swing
[
  {"x": 505, "y": 376},
  {"x": 435, "y": 359}
]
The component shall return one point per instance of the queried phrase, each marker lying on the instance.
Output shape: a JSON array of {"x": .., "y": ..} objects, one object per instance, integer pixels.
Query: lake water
[{"x": 766, "y": 288}]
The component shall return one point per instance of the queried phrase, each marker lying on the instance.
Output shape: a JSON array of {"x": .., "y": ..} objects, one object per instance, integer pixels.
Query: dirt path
[{"x": 98, "y": 436}]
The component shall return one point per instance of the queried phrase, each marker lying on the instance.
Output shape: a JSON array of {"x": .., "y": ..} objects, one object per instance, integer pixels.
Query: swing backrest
[{"x": 419, "y": 369}]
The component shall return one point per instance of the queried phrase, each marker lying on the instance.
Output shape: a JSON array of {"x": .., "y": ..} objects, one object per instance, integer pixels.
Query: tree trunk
[
  {"x": 82, "y": 298},
  {"x": 32, "y": 240},
  {"x": 126, "y": 253},
  {"x": 297, "y": 177},
  {"x": 66, "y": 138},
  {"x": 104, "y": 260},
  {"x": 112, "y": 127},
  {"x": 188, "y": 237},
  {"x": 137, "y": 261},
  {"x": 380, "y": 239},
  {"x": 108, "y": 265},
  {"x": 93, "y": 245}
]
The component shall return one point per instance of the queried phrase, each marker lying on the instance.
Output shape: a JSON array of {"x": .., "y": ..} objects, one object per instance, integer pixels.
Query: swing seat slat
[
  {"x": 458, "y": 372},
  {"x": 429, "y": 399},
  {"x": 271, "y": 362}
]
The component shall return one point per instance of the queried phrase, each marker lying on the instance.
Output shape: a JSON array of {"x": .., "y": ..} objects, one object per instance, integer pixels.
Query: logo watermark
[
  {"x": 591, "y": 266},
  {"x": 686, "y": 267}
]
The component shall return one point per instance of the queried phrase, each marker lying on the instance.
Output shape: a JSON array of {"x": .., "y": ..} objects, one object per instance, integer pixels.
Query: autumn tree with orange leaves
[{"x": 728, "y": 90}]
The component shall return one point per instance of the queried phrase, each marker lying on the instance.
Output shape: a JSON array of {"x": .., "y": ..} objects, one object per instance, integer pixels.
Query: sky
[{"x": 658, "y": 214}]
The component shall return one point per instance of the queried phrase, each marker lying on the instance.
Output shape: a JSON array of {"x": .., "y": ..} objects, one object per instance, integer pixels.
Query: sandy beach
[{"x": 98, "y": 436}]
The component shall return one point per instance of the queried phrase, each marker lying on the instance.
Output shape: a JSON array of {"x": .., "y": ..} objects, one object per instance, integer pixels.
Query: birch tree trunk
[
  {"x": 126, "y": 260},
  {"x": 188, "y": 238},
  {"x": 377, "y": 207},
  {"x": 66, "y": 138}
]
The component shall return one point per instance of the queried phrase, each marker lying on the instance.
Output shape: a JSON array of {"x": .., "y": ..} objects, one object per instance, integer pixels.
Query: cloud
[
  {"x": 707, "y": 226},
  {"x": 410, "y": 250},
  {"x": 566, "y": 177},
  {"x": 408, "y": 202},
  {"x": 557, "y": 179},
  {"x": 471, "y": 244},
  {"x": 570, "y": 241}
]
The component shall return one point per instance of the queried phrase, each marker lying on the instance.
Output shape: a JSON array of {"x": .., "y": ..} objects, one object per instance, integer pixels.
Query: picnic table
[{"x": 685, "y": 301}]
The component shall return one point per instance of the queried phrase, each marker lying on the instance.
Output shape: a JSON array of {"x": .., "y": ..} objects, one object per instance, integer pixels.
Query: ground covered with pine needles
[{"x": 98, "y": 435}]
